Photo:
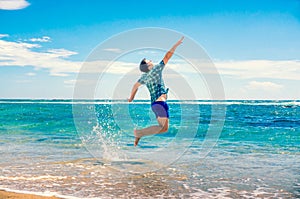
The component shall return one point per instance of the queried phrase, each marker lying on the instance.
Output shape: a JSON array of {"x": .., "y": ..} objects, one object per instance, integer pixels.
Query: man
[{"x": 152, "y": 78}]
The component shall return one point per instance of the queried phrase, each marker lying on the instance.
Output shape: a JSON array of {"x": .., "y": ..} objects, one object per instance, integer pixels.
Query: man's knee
[
  {"x": 165, "y": 127},
  {"x": 164, "y": 124}
]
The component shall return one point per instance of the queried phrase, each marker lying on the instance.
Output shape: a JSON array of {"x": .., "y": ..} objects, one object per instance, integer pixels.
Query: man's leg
[{"x": 163, "y": 125}]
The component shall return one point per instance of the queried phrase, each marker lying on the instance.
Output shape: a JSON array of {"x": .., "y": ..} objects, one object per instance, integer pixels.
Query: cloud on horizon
[
  {"x": 270, "y": 69},
  {"x": 57, "y": 62},
  {"x": 266, "y": 86},
  {"x": 13, "y": 4}
]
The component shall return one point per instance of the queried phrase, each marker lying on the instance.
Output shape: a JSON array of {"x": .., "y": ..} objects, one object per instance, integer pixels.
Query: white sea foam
[
  {"x": 228, "y": 193},
  {"x": 204, "y": 102},
  {"x": 46, "y": 193},
  {"x": 34, "y": 178}
]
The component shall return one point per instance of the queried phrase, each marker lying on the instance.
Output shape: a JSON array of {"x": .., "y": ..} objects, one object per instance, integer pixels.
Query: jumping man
[{"x": 152, "y": 78}]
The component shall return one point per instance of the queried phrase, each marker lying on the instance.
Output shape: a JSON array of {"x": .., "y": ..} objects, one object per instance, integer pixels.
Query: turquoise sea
[{"x": 213, "y": 149}]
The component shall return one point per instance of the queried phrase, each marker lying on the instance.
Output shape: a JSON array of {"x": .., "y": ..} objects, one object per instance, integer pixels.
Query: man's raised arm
[{"x": 172, "y": 50}]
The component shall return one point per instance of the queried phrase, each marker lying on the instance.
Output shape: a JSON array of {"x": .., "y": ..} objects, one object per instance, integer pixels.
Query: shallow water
[{"x": 256, "y": 155}]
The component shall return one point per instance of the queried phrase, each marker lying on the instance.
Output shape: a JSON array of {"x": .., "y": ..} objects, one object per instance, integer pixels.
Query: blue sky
[{"x": 253, "y": 44}]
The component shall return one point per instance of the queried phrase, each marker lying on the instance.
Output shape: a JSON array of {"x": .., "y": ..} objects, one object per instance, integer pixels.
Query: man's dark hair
[{"x": 144, "y": 66}]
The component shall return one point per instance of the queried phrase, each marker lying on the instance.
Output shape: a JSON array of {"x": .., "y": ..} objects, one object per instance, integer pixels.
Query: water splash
[{"x": 109, "y": 143}]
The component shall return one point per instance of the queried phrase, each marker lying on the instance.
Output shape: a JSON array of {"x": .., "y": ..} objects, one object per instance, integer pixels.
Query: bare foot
[{"x": 137, "y": 138}]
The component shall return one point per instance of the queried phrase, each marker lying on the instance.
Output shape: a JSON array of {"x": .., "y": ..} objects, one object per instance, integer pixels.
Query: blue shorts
[{"x": 160, "y": 108}]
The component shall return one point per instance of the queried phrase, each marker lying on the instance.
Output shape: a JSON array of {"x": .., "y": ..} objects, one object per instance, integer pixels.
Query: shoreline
[{"x": 18, "y": 195}]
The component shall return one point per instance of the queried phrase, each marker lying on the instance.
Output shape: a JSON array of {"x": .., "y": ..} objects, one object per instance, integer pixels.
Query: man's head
[{"x": 146, "y": 65}]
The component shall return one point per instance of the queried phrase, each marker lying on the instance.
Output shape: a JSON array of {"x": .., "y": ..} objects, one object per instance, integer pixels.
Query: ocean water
[{"x": 213, "y": 149}]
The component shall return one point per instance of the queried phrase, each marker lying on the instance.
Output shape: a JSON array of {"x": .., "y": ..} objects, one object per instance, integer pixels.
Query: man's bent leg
[{"x": 163, "y": 125}]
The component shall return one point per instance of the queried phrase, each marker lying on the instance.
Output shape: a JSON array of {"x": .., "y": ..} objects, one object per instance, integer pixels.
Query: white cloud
[
  {"x": 263, "y": 90},
  {"x": 69, "y": 83},
  {"x": 266, "y": 86},
  {"x": 13, "y": 4},
  {"x": 149, "y": 52},
  {"x": 61, "y": 53},
  {"x": 271, "y": 69},
  {"x": 31, "y": 74},
  {"x": 109, "y": 67},
  {"x": 43, "y": 39},
  {"x": 56, "y": 62},
  {"x": 114, "y": 50},
  {"x": 24, "y": 54}
]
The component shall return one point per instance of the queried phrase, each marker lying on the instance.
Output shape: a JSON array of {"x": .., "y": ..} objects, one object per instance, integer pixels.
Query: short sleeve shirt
[{"x": 154, "y": 82}]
